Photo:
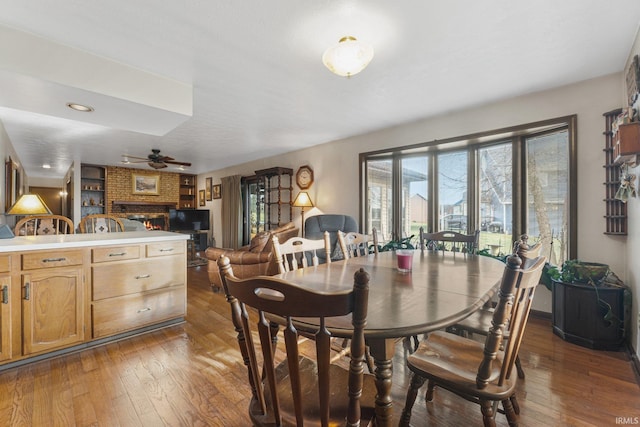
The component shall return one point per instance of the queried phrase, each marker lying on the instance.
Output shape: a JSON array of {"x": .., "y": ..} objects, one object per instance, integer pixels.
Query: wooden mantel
[{"x": 143, "y": 203}]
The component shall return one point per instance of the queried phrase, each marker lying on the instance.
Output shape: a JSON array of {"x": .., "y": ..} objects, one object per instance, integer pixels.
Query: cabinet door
[
  {"x": 5, "y": 317},
  {"x": 52, "y": 309}
]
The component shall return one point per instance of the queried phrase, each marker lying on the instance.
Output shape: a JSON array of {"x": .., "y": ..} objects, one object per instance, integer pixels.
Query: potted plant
[{"x": 590, "y": 304}]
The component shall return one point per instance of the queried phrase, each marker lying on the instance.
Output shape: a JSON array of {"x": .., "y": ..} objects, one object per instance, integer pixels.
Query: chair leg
[
  {"x": 519, "y": 368},
  {"x": 488, "y": 414},
  {"x": 416, "y": 382},
  {"x": 510, "y": 412},
  {"x": 516, "y": 405},
  {"x": 430, "y": 390}
]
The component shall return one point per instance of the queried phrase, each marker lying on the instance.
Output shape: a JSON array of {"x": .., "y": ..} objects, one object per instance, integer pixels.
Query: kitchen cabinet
[{"x": 5, "y": 307}]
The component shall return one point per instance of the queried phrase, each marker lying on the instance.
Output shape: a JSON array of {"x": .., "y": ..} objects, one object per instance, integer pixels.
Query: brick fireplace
[{"x": 154, "y": 215}]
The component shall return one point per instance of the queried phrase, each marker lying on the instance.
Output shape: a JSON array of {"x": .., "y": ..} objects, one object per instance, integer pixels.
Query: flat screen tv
[{"x": 188, "y": 219}]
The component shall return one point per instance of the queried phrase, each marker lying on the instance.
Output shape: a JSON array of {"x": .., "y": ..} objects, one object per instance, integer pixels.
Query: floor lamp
[{"x": 303, "y": 201}]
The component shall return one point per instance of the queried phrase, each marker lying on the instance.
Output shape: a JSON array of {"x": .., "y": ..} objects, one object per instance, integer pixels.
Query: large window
[{"x": 503, "y": 183}]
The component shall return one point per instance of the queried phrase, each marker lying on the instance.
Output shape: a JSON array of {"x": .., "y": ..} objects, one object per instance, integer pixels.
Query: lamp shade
[
  {"x": 348, "y": 57},
  {"x": 29, "y": 204},
  {"x": 303, "y": 200}
]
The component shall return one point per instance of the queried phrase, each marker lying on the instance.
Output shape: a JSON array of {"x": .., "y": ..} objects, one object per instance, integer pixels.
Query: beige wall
[{"x": 335, "y": 164}]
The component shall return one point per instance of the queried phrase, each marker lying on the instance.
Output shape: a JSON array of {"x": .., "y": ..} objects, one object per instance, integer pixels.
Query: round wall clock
[{"x": 304, "y": 177}]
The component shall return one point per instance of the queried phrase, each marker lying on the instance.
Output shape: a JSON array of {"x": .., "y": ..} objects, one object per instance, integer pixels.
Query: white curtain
[{"x": 231, "y": 212}]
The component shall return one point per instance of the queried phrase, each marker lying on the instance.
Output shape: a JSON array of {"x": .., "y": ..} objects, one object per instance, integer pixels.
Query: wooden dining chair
[
  {"x": 300, "y": 390},
  {"x": 481, "y": 373},
  {"x": 449, "y": 241},
  {"x": 354, "y": 244},
  {"x": 43, "y": 225},
  {"x": 480, "y": 321},
  {"x": 100, "y": 223},
  {"x": 298, "y": 252}
]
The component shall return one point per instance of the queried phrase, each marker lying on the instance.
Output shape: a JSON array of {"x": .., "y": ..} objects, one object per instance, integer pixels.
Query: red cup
[{"x": 405, "y": 260}]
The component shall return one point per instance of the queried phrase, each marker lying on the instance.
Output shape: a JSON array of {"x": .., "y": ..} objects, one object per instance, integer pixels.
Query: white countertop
[{"x": 64, "y": 241}]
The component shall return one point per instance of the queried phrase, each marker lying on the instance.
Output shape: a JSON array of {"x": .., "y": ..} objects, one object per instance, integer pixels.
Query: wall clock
[{"x": 304, "y": 177}]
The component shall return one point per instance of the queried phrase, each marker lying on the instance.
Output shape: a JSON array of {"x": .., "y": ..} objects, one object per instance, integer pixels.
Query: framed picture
[
  {"x": 217, "y": 191},
  {"x": 145, "y": 184},
  {"x": 633, "y": 80},
  {"x": 201, "y": 197},
  {"x": 207, "y": 188}
]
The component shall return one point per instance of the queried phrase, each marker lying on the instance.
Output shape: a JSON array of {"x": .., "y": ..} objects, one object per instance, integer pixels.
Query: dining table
[{"x": 441, "y": 289}]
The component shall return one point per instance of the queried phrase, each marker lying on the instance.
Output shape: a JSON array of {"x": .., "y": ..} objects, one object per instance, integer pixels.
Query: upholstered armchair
[
  {"x": 315, "y": 226},
  {"x": 251, "y": 260}
]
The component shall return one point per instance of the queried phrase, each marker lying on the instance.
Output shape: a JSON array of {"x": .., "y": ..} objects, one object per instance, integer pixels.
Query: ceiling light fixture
[
  {"x": 79, "y": 107},
  {"x": 348, "y": 57},
  {"x": 46, "y": 166}
]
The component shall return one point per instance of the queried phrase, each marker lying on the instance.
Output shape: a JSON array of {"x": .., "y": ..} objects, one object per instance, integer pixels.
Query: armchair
[
  {"x": 315, "y": 226},
  {"x": 254, "y": 259}
]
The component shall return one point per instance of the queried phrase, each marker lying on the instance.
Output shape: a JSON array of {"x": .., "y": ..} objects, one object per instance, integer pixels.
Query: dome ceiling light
[{"x": 348, "y": 57}]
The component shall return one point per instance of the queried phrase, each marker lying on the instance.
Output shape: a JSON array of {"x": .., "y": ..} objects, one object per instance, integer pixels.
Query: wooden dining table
[{"x": 442, "y": 289}]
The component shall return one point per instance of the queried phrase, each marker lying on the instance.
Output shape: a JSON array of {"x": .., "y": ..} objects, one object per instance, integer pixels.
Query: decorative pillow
[{"x": 259, "y": 241}]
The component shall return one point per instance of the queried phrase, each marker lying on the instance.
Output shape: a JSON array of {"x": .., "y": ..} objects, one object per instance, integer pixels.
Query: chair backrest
[
  {"x": 357, "y": 244},
  {"x": 517, "y": 287},
  {"x": 526, "y": 251},
  {"x": 274, "y": 297},
  {"x": 43, "y": 225},
  {"x": 99, "y": 223},
  {"x": 297, "y": 251},
  {"x": 449, "y": 241},
  {"x": 315, "y": 226}
]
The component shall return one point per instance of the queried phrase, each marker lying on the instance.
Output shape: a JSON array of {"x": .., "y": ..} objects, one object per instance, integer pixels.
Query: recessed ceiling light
[
  {"x": 46, "y": 166},
  {"x": 79, "y": 107}
]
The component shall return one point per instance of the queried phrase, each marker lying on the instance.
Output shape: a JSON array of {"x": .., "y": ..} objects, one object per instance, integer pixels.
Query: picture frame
[
  {"x": 633, "y": 80},
  {"x": 201, "y": 198},
  {"x": 208, "y": 188},
  {"x": 145, "y": 184},
  {"x": 217, "y": 191}
]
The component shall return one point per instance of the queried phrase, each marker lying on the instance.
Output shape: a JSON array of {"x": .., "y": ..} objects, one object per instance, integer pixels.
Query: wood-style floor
[{"x": 191, "y": 375}]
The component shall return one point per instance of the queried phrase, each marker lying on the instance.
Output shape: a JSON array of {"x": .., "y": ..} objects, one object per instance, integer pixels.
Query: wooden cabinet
[
  {"x": 93, "y": 182},
  {"x": 188, "y": 192},
  {"x": 5, "y": 307},
  {"x": 69, "y": 292},
  {"x": 52, "y": 300},
  {"x": 138, "y": 288},
  {"x": 276, "y": 185}
]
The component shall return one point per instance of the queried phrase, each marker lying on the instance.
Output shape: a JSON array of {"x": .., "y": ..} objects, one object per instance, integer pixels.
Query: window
[{"x": 504, "y": 183}]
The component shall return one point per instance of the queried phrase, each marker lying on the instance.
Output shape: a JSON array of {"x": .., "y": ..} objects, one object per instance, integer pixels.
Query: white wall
[{"x": 335, "y": 164}]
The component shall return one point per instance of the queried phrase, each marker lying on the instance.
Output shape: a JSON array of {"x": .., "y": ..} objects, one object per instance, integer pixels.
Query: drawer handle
[
  {"x": 166, "y": 250},
  {"x": 118, "y": 254},
  {"x": 54, "y": 259},
  {"x": 27, "y": 291},
  {"x": 5, "y": 294},
  {"x": 143, "y": 276},
  {"x": 142, "y": 310}
]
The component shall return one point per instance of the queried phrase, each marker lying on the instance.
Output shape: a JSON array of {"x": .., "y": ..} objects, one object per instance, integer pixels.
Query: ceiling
[{"x": 219, "y": 83}]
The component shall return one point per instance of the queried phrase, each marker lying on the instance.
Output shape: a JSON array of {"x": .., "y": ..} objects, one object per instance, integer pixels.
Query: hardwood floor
[{"x": 191, "y": 375}]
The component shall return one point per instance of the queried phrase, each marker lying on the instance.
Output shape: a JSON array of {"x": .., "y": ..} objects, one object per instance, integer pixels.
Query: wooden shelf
[
  {"x": 616, "y": 211},
  {"x": 142, "y": 203}
]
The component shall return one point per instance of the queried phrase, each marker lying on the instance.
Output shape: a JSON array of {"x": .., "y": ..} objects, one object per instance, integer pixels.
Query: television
[{"x": 188, "y": 219}]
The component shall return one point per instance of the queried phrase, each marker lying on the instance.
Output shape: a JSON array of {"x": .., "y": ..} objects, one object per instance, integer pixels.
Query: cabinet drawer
[
  {"x": 112, "y": 280},
  {"x": 134, "y": 311},
  {"x": 35, "y": 260},
  {"x": 165, "y": 248},
  {"x": 5, "y": 263},
  {"x": 115, "y": 253}
]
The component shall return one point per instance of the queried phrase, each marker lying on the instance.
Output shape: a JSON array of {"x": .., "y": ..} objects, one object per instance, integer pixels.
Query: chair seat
[
  {"x": 309, "y": 381},
  {"x": 478, "y": 323},
  {"x": 452, "y": 362}
]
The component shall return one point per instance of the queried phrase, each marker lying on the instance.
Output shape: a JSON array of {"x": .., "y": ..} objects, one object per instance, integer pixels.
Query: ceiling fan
[{"x": 155, "y": 160}]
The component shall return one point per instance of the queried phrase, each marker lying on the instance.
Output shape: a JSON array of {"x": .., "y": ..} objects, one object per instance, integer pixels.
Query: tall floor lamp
[{"x": 303, "y": 200}]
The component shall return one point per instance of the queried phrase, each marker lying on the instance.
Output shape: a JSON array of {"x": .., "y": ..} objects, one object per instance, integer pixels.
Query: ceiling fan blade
[
  {"x": 173, "y": 162},
  {"x": 126, "y": 156}
]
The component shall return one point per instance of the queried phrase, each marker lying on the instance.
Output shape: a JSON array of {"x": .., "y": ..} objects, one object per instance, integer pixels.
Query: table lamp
[
  {"x": 29, "y": 204},
  {"x": 303, "y": 200}
]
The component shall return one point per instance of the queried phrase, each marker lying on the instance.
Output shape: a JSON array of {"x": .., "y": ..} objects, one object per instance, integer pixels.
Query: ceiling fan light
[{"x": 348, "y": 57}]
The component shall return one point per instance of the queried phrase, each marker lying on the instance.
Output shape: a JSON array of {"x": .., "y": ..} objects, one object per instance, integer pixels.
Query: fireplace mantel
[{"x": 143, "y": 203}]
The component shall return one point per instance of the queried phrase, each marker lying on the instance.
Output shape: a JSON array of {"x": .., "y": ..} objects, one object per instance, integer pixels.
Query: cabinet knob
[
  {"x": 27, "y": 291},
  {"x": 143, "y": 276},
  {"x": 5, "y": 294}
]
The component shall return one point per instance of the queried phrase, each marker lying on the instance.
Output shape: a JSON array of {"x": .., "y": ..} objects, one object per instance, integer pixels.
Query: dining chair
[
  {"x": 100, "y": 223},
  {"x": 480, "y": 321},
  {"x": 300, "y": 390},
  {"x": 481, "y": 373},
  {"x": 43, "y": 225},
  {"x": 298, "y": 252},
  {"x": 354, "y": 244},
  {"x": 449, "y": 241}
]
